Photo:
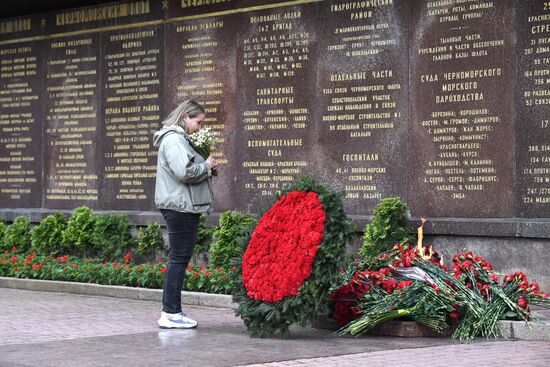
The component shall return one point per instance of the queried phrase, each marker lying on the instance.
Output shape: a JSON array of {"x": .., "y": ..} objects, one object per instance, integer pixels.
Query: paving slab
[{"x": 59, "y": 329}]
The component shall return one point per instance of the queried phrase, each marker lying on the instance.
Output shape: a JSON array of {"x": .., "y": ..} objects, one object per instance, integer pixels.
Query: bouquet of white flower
[{"x": 203, "y": 142}]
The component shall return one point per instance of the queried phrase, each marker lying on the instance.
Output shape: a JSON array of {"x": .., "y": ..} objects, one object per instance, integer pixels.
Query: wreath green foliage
[{"x": 268, "y": 318}]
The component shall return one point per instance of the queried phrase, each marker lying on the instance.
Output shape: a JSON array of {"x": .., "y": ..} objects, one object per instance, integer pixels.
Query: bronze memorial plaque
[
  {"x": 103, "y": 17},
  {"x": 445, "y": 104},
  {"x": 200, "y": 8},
  {"x": 132, "y": 72},
  {"x": 98, "y": 74},
  {"x": 201, "y": 66},
  {"x": 276, "y": 58},
  {"x": 72, "y": 144},
  {"x": 362, "y": 101},
  {"x": 462, "y": 108},
  {"x": 21, "y": 121},
  {"x": 16, "y": 29},
  {"x": 533, "y": 114}
]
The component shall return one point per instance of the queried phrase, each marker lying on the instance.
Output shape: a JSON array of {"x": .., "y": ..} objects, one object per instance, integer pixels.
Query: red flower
[
  {"x": 163, "y": 269},
  {"x": 61, "y": 259},
  {"x": 404, "y": 283},
  {"x": 454, "y": 316},
  {"x": 522, "y": 302},
  {"x": 282, "y": 249},
  {"x": 29, "y": 258},
  {"x": 14, "y": 260},
  {"x": 467, "y": 263},
  {"x": 37, "y": 266},
  {"x": 346, "y": 299}
]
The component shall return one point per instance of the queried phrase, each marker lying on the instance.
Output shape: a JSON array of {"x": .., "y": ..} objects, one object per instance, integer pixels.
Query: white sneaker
[{"x": 176, "y": 321}]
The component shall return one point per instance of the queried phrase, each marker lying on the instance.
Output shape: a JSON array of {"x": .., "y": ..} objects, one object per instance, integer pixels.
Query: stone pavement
[{"x": 60, "y": 329}]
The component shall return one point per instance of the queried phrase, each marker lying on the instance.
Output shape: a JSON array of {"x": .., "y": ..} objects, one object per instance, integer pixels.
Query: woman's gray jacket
[{"x": 183, "y": 178}]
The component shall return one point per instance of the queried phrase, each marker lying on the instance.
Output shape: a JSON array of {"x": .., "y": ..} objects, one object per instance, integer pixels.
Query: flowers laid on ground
[
  {"x": 292, "y": 259},
  {"x": 411, "y": 282},
  {"x": 67, "y": 268}
]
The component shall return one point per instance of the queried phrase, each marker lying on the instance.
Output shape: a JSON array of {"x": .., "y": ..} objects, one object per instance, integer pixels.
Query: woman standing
[{"x": 183, "y": 191}]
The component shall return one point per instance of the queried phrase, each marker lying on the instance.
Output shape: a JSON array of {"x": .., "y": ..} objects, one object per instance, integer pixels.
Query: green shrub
[
  {"x": 233, "y": 227},
  {"x": 388, "y": 226},
  {"x": 18, "y": 234},
  {"x": 205, "y": 278},
  {"x": 3, "y": 227},
  {"x": 77, "y": 237},
  {"x": 112, "y": 236},
  {"x": 74, "y": 269},
  {"x": 47, "y": 237},
  {"x": 150, "y": 241},
  {"x": 204, "y": 240}
]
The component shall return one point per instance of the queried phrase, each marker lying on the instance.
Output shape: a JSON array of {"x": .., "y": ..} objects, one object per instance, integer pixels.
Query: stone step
[{"x": 144, "y": 294}]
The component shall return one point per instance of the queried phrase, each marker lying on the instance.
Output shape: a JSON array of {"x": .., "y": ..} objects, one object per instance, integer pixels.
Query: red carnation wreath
[
  {"x": 282, "y": 249},
  {"x": 291, "y": 259}
]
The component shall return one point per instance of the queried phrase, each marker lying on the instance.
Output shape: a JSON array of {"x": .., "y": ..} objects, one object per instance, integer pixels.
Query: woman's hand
[{"x": 211, "y": 162}]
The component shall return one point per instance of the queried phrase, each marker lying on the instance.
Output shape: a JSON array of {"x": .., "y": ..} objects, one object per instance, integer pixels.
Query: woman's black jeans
[{"x": 182, "y": 234}]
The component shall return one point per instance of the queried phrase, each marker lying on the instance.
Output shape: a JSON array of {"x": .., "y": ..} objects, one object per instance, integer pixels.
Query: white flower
[{"x": 203, "y": 140}]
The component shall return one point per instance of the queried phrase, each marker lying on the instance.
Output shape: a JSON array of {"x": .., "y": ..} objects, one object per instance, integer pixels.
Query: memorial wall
[{"x": 442, "y": 103}]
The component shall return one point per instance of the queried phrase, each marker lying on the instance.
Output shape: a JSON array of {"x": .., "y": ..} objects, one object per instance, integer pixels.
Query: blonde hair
[{"x": 189, "y": 107}]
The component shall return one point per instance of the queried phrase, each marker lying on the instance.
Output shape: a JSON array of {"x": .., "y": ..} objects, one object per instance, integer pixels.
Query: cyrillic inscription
[
  {"x": 20, "y": 127},
  {"x": 363, "y": 101},
  {"x": 533, "y": 132},
  {"x": 277, "y": 60},
  {"x": 132, "y": 65},
  {"x": 72, "y": 76},
  {"x": 462, "y": 107}
]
